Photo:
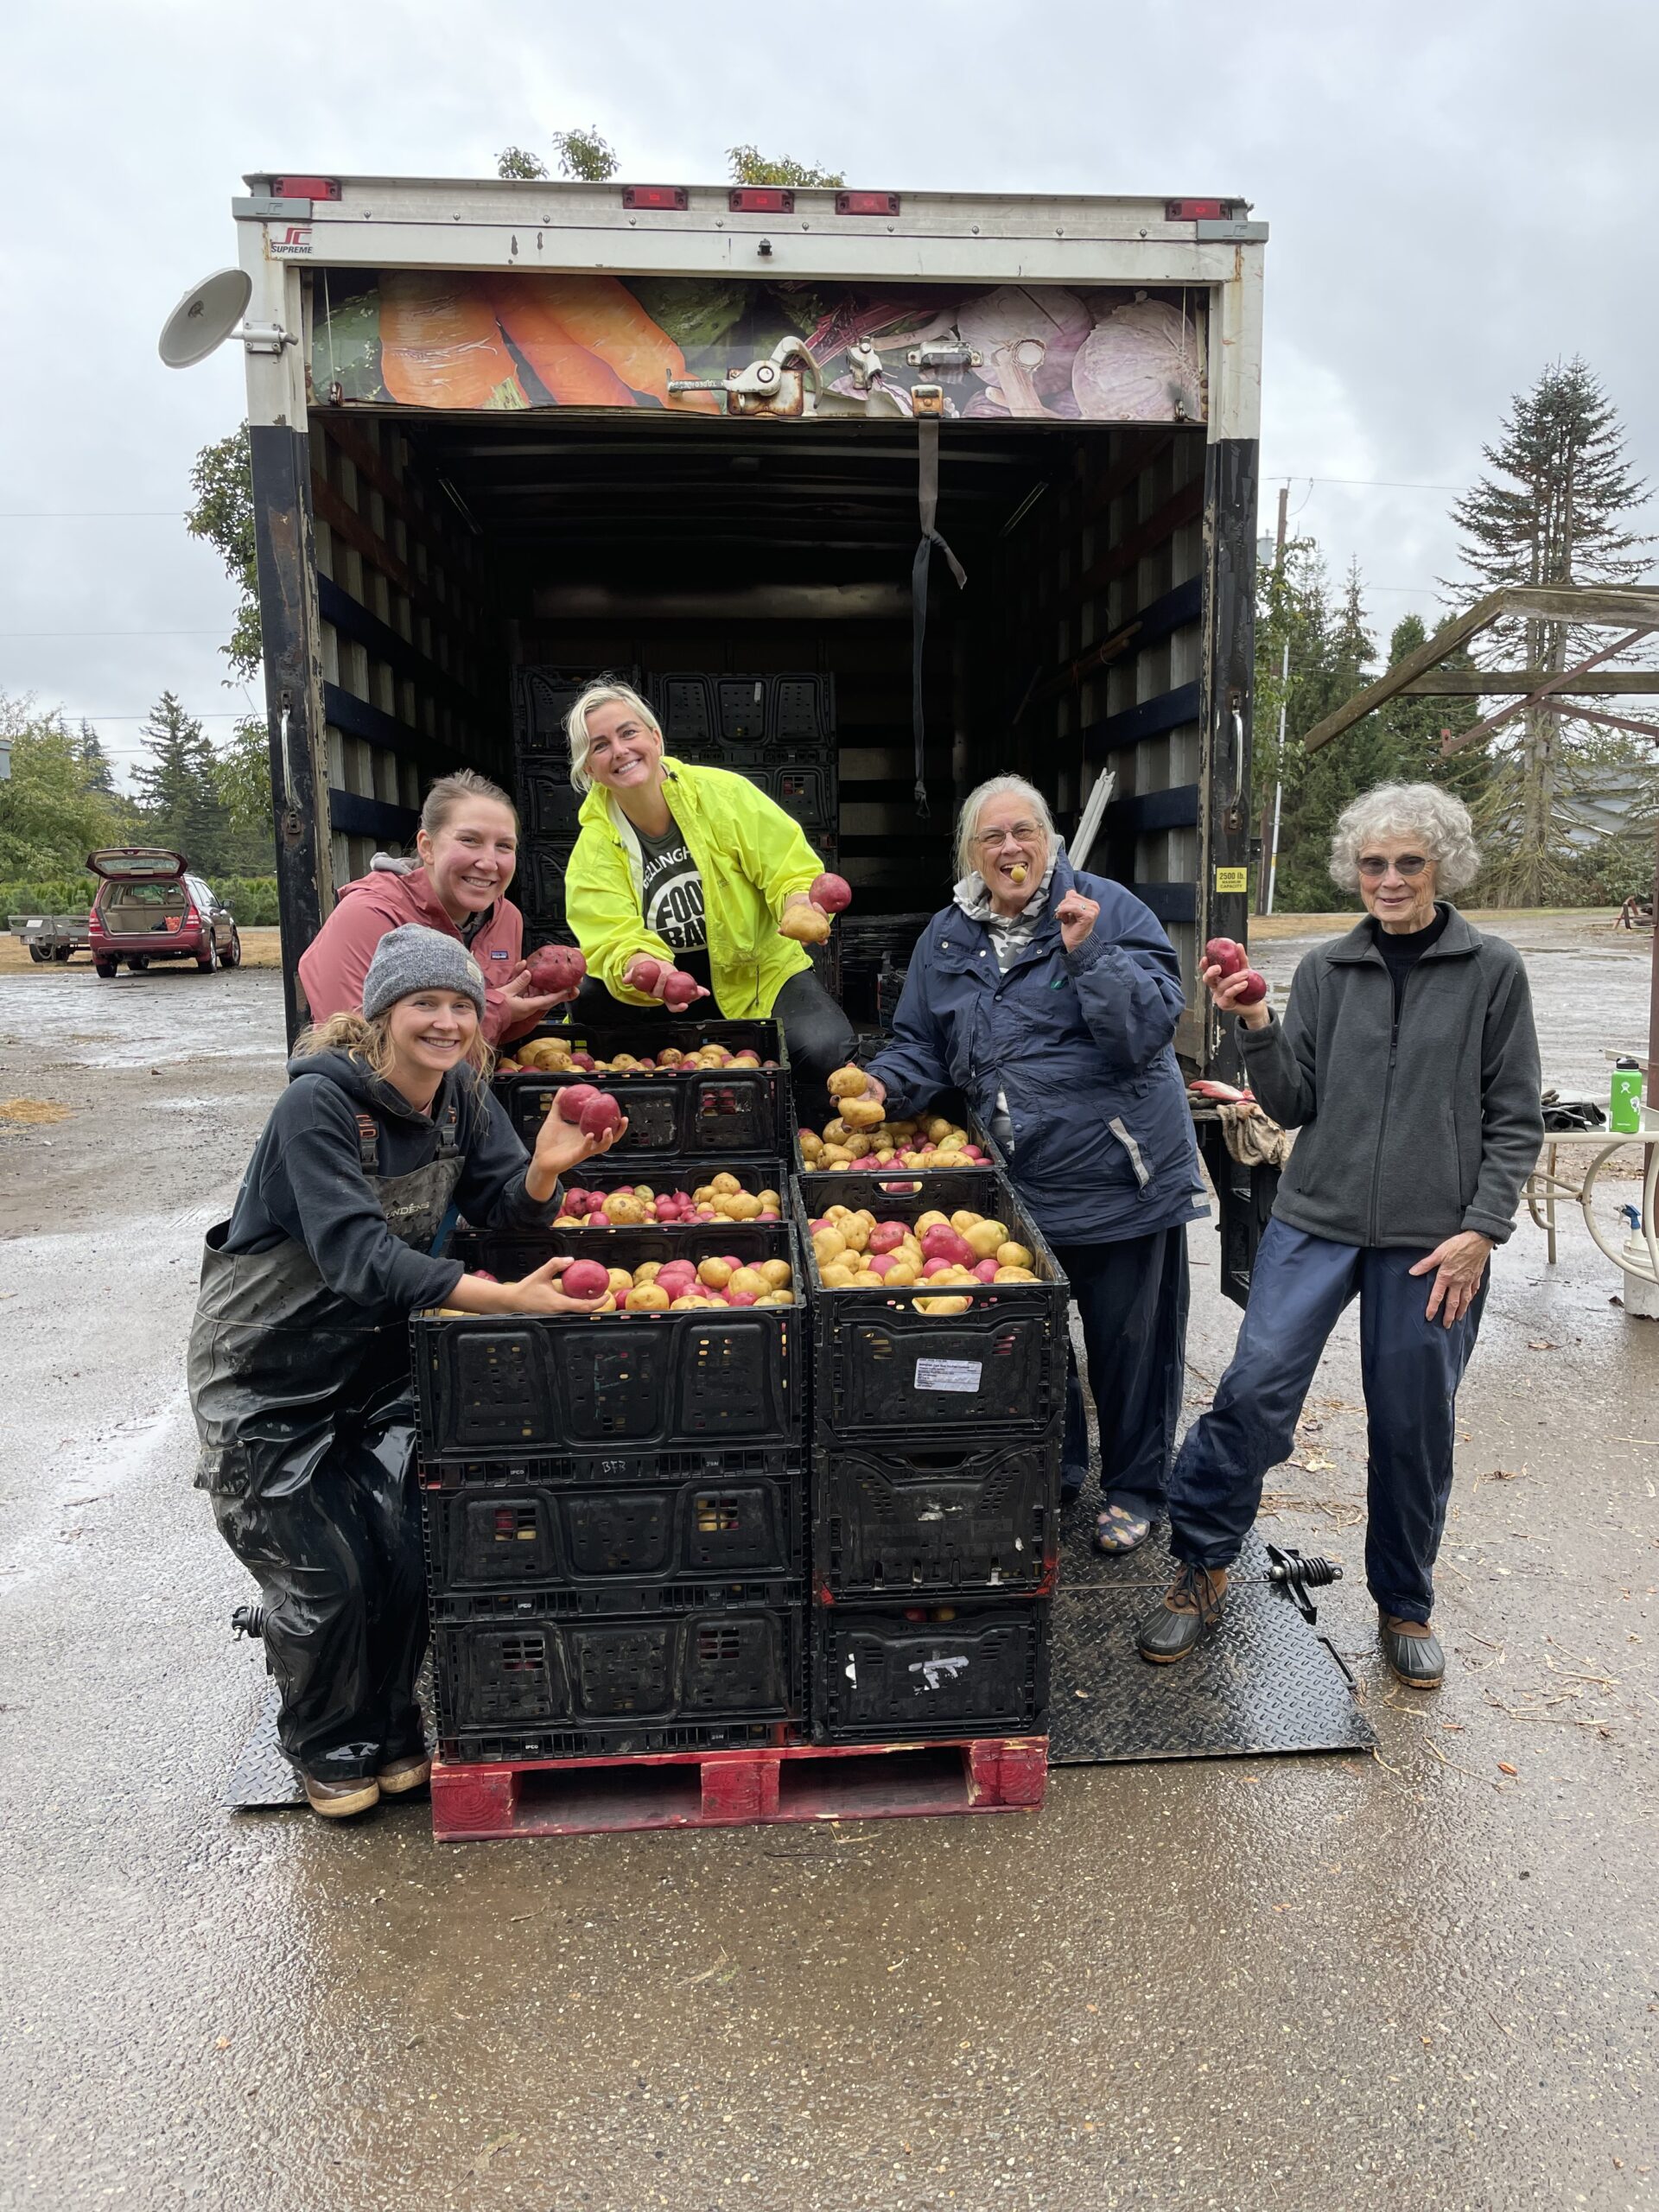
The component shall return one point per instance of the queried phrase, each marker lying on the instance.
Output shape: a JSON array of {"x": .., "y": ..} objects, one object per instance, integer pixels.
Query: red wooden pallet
[{"x": 740, "y": 1789}]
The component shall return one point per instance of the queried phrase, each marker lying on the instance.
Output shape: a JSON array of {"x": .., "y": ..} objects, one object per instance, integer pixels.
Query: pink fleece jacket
[{"x": 333, "y": 964}]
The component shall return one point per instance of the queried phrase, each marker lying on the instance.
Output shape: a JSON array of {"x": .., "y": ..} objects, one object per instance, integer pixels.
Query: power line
[
  {"x": 1371, "y": 483},
  {"x": 110, "y": 633}
]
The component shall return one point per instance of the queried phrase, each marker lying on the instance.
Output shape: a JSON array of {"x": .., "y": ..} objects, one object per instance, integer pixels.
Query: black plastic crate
[
  {"x": 617, "y": 1675},
  {"x": 884, "y": 1673},
  {"x": 542, "y": 866},
  {"x": 550, "y": 801},
  {"x": 734, "y": 718},
  {"x": 690, "y": 1114},
  {"x": 543, "y": 697},
  {"x": 889, "y": 990},
  {"x": 589, "y": 1385},
  {"x": 711, "y": 1540},
  {"x": 610, "y": 1173},
  {"x": 882, "y": 1369},
  {"x": 964, "y": 1518}
]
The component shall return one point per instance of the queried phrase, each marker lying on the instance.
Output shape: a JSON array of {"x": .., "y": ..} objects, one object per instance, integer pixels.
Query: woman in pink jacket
[{"x": 468, "y": 848}]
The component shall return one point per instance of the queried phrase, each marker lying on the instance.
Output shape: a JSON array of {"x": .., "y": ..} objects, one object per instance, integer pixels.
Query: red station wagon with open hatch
[{"x": 149, "y": 908}]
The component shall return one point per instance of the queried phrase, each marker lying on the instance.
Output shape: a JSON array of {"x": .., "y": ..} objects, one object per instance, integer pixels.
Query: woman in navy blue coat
[{"x": 1050, "y": 1000}]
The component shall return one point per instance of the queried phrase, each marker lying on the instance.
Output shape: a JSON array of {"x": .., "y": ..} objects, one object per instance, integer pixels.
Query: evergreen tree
[
  {"x": 1412, "y": 729},
  {"x": 49, "y": 821},
  {"x": 95, "y": 772},
  {"x": 178, "y": 793},
  {"x": 1562, "y": 517}
]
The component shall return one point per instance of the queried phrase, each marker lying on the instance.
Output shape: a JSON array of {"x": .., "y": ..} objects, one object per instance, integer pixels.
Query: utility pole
[{"x": 1270, "y": 814}]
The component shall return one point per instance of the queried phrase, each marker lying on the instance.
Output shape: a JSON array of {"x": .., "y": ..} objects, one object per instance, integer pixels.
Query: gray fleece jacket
[{"x": 1407, "y": 1134}]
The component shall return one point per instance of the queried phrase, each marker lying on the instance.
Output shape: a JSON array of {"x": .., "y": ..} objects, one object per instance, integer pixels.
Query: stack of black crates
[
  {"x": 542, "y": 697},
  {"x": 615, "y": 1511},
  {"x": 935, "y": 1481}
]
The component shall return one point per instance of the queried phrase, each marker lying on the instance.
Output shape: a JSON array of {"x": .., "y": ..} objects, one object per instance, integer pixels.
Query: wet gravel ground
[{"x": 1430, "y": 1978}]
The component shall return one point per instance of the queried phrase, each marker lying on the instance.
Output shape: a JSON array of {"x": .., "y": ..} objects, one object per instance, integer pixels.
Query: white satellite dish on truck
[{"x": 205, "y": 318}]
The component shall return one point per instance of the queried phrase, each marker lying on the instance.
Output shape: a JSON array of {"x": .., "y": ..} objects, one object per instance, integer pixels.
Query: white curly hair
[
  {"x": 1438, "y": 821},
  {"x": 975, "y": 804}
]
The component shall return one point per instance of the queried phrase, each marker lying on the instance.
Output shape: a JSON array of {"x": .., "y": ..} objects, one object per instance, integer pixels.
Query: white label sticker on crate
[{"x": 949, "y": 1374}]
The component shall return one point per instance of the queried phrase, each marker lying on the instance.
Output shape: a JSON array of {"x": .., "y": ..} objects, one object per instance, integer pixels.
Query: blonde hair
[
  {"x": 1437, "y": 819},
  {"x": 368, "y": 1038},
  {"x": 450, "y": 791},
  {"x": 575, "y": 723},
  {"x": 974, "y": 806}
]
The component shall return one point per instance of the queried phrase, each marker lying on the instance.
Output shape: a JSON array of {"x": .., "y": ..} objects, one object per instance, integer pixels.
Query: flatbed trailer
[{"x": 51, "y": 936}]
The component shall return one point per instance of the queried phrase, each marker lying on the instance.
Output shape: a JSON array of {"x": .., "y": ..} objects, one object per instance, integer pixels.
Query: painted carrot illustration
[
  {"x": 526, "y": 310},
  {"x": 602, "y": 314},
  {"x": 438, "y": 344}
]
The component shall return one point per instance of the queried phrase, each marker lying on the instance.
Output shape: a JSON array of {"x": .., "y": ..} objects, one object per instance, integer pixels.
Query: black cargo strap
[{"x": 927, "y": 428}]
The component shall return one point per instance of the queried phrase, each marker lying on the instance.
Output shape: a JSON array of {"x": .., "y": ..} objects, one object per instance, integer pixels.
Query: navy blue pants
[
  {"x": 1411, "y": 1367},
  {"x": 1131, "y": 1297}
]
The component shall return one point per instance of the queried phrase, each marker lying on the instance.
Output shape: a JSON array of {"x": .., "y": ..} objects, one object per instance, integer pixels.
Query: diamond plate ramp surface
[
  {"x": 1266, "y": 1681},
  {"x": 262, "y": 1778}
]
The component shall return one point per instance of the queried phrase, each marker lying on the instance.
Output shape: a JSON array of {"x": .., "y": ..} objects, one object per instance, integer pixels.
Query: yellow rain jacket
[{"x": 750, "y": 857}]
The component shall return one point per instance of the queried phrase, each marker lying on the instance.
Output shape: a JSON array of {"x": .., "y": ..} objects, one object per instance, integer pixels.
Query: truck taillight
[
  {"x": 866, "y": 203},
  {"x": 761, "y": 199},
  {"x": 1202, "y": 210},
  {"x": 305, "y": 187},
  {"x": 656, "y": 195}
]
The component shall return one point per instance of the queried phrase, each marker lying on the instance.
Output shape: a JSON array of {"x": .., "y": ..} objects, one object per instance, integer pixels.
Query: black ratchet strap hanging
[{"x": 927, "y": 429}]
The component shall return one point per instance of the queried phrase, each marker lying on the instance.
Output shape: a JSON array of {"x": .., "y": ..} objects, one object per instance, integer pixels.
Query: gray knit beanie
[{"x": 415, "y": 958}]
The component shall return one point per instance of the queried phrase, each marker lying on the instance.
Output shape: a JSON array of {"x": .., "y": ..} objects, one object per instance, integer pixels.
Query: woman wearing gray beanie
[{"x": 299, "y": 1355}]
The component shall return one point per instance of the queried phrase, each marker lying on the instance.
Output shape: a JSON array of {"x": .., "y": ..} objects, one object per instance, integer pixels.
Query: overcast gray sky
[{"x": 1459, "y": 192}]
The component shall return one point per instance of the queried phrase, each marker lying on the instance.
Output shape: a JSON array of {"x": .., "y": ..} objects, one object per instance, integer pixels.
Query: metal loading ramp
[{"x": 1268, "y": 1681}]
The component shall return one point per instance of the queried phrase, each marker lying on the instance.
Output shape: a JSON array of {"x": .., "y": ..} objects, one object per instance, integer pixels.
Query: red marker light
[
  {"x": 656, "y": 195},
  {"x": 1200, "y": 211},
  {"x": 866, "y": 203},
  {"x": 304, "y": 187},
  {"x": 761, "y": 199}
]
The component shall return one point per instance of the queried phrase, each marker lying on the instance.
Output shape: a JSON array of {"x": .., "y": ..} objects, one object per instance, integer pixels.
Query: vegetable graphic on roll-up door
[
  {"x": 1139, "y": 364},
  {"x": 526, "y": 309},
  {"x": 1029, "y": 340},
  {"x": 602, "y": 314},
  {"x": 439, "y": 344}
]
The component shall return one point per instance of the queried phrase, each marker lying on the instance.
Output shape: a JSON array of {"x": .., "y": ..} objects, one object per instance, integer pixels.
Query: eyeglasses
[
  {"x": 1374, "y": 867},
  {"x": 1021, "y": 833}
]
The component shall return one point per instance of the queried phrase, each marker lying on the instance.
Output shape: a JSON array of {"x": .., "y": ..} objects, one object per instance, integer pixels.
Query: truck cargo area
[{"x": 455, "y": 551}]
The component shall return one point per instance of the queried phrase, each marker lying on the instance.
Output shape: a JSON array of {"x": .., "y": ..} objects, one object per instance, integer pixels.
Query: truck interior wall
[{"x": 411, "y": 652}]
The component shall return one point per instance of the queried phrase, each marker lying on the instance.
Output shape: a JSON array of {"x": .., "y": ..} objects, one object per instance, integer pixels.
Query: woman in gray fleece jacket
[{"x": 1408, "y": 1064}]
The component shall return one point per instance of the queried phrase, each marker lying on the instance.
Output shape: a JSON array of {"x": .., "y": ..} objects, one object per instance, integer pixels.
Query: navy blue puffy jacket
[{"x": 1080, "y": 1045}]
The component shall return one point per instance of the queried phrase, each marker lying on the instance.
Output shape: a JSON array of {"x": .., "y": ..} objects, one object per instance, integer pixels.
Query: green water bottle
[{"x": 1624, "y": 1113}]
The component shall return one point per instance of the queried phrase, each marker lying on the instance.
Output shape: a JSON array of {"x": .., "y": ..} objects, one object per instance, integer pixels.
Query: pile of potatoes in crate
[
  {"x": 682, "y": 1286},
  {"x": 861, "y": 1136},
  {"x": 554, "y": 1056},
  {"x": 723, "y": 1197},
  {"x": 854, "y": 1250}
]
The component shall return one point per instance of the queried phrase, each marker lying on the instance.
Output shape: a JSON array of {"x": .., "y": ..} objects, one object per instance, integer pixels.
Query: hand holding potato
[
  {"x": 1077, "y": 916},
  {"x": 803, "y": 922},
  {"x": 1237, "y": 993}
]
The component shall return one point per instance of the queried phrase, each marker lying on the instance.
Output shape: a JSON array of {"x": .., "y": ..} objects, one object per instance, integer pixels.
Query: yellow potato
[
  {"x": 622, "y": 1283},
  {"x": 854, "y": 1233},
  {"x": 837, "y": 1276},
  {"x": 899, "y": 1274},
  {"x": 857, "y": 1147},
  {"x": 811, "y": 1144},
  {"x": 806, "y": 923},
  {"x": 568, "y": 1221},
  {"x": 647, "y": 1271},
  {"x": 865, "y": 1280},
  {"x": 648, "y": 1298},
  {"x": 623, "y": 1211},
  {"x": 777, "y": 1273},
  {"x": 860, "y": 1113},
  {"x": 835, "y": 1156},
  {"x": 724, "y": 1186},
  {"x": 942, "y": 1305},
  {"x": 985, "y": 1238},
  {"x": 836, "y": 1213},
  {"x": 607, "y": 1304},
  {"x": 1015, "y": 1275},
  {"x": 770, "y": 1201},
  {"x": 912, "y": 1159},
  {"x": 936, "y": 1126},
  {"x": 847, "y": 1082},
  {"x": 715, "y": 1272},
  {"x": 828, "y": 1244},
  {"x": 1011, "y": 1255},
  {"x": 775, "y": 1298},
  {"x": 687, "y": 1303},
  {"x": 961, "y": 1221},
  {"x": 749, "y": 1279},
  {"x": 836, "y": 1131},
  {"x": 933, "y": 1220}
]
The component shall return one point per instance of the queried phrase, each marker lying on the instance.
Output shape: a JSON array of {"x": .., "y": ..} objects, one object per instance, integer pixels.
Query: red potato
[
  {"x": 1253, "y": 990},
  {"x": 644, "y": 971},
  {"x": 555, "y": 968},
  {"x": 1221, "y": 952},
  {"x": 601, "y": 1115},
  {"x": 679, "y": 990},
  {"x": 832, "y": 894},
  {"x": 571, "y": 1100},
  {"x": 585, "y": 1279}
]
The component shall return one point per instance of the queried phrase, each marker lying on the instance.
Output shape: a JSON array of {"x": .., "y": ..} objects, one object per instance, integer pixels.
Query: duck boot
[
  {"x": 1412, "y": 1650},
  {"x": 1191, "y": 1611}
]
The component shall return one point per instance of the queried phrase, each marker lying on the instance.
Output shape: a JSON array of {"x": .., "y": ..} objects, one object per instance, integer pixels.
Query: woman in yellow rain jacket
[{"x": 695, "y": 868}]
